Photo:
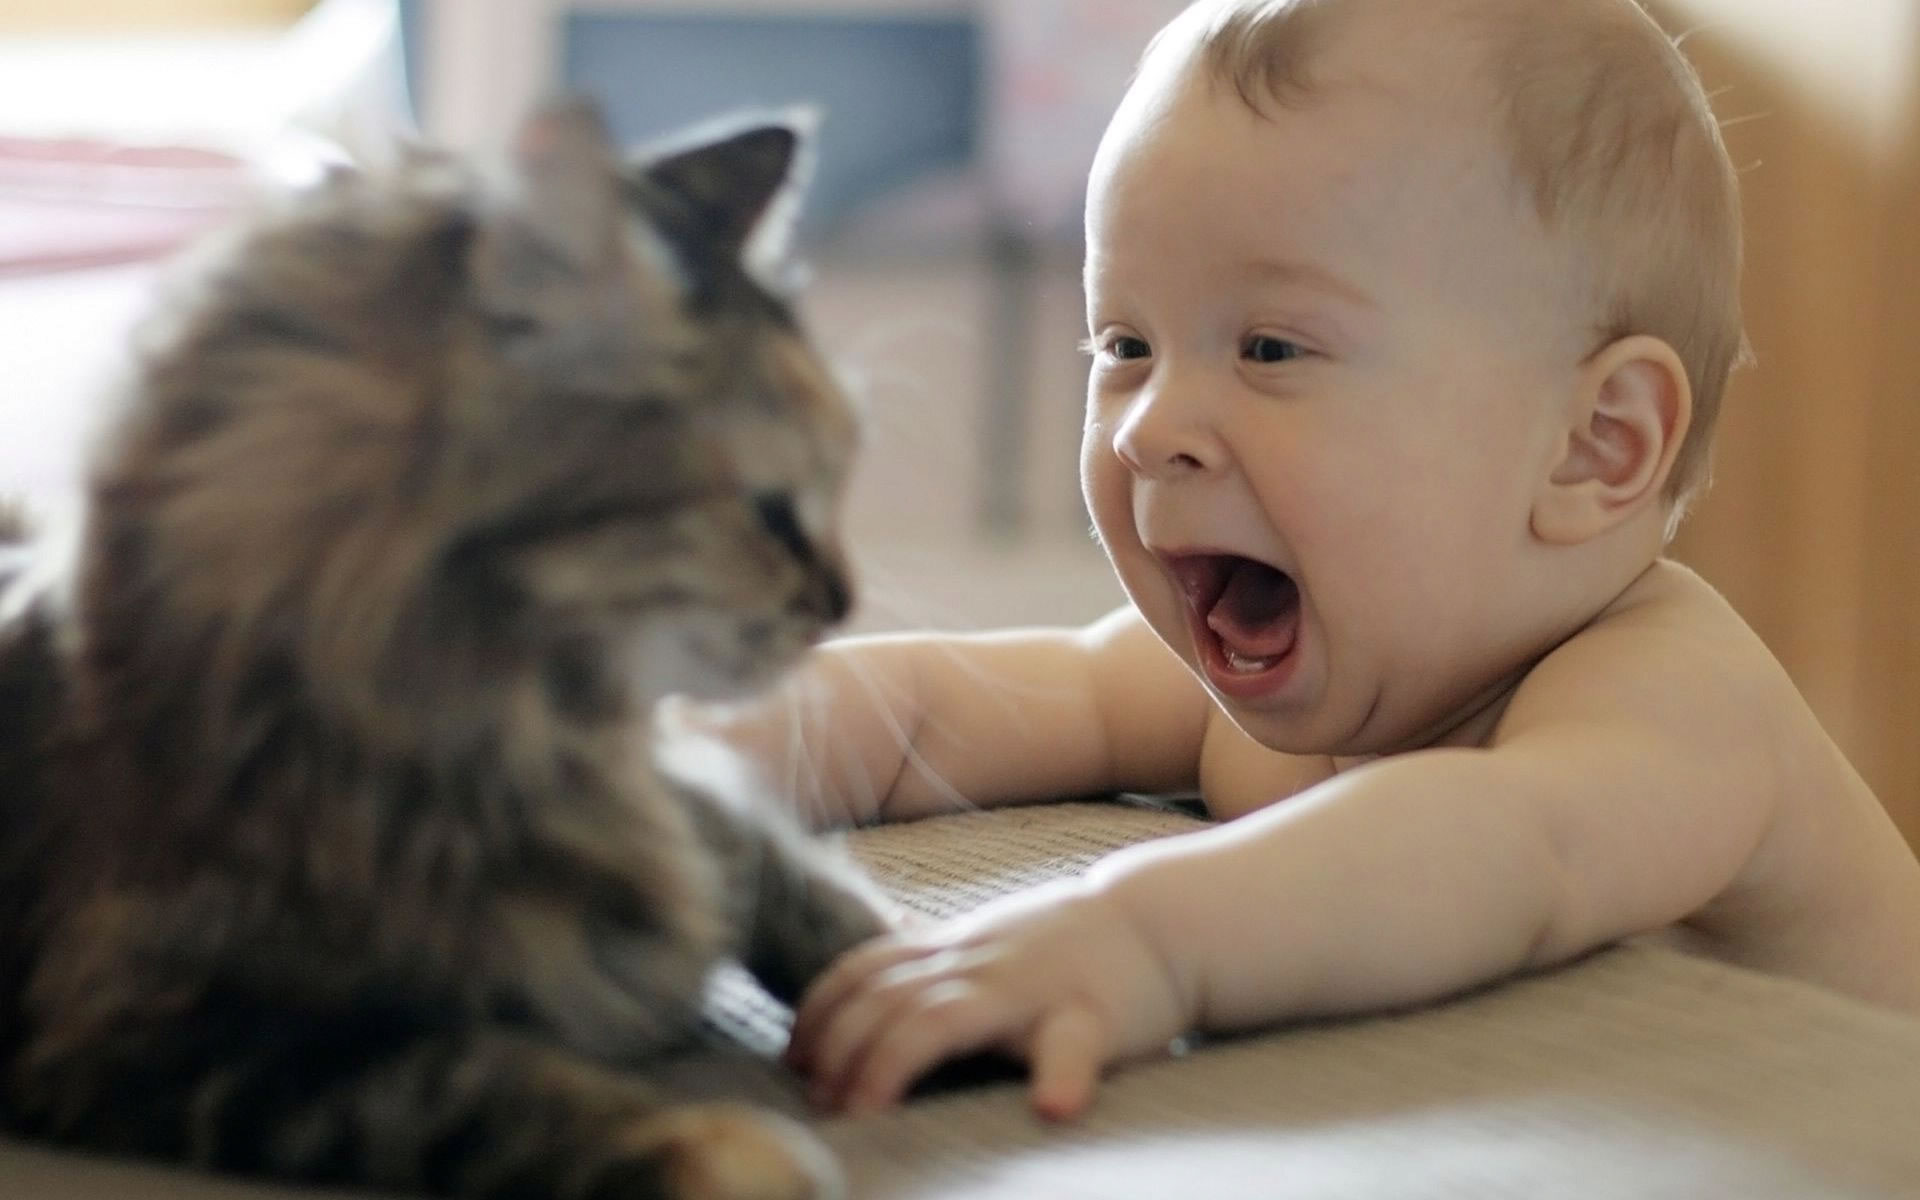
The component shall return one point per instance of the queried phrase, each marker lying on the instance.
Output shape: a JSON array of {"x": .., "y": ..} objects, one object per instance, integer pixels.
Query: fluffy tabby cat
[{"x": 331, "y": 842}]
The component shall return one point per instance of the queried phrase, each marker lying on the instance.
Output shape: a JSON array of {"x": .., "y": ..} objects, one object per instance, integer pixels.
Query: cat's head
[{"x": 439, "y": 430}]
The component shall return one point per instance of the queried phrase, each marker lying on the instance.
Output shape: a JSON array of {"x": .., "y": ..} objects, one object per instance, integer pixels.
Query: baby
[{"x": 1409, "y": 321}]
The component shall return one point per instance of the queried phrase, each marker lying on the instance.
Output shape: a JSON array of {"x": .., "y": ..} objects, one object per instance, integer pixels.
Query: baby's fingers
[
  {"x": 844, "y": 1036},
  {"x": 1069, "y": 1048},
  {"x": 820, "y": 1006},
  {"x": 944, "y": 1021}
]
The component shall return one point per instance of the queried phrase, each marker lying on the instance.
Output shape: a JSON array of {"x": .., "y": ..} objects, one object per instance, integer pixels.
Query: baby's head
[{"x": 1410, "y": 321}]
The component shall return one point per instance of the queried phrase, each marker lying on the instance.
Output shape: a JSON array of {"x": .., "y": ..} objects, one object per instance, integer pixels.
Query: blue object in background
[
  {"x": 900, "y": 96},
  {"x": 412, "y": 44}
]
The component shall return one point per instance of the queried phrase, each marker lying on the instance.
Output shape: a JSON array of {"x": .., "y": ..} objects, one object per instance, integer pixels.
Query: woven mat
[
  {"x": 949, "y": 865},
  {"x": 1636, "y": 1073}
]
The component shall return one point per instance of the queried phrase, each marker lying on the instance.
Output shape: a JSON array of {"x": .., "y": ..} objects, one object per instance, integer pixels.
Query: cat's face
[
  {"x": 428, "y": 433},
  {"x": 695, "y": 525}
]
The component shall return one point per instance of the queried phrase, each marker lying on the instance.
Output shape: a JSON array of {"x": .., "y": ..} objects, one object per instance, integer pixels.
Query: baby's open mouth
[{"x": 1246, "y": 612}]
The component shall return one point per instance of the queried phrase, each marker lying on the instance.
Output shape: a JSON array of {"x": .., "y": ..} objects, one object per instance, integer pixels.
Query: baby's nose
[{"x": 1165, "y": 434}]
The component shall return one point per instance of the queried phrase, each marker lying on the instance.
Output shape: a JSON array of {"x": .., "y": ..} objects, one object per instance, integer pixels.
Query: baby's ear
[{"x": 1630, "y": 414}]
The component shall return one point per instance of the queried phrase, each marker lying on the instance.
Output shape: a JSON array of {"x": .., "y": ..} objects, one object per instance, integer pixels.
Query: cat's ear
[
  {"x": 737, "y": 185},
  {"x": 569, "y": 180}
]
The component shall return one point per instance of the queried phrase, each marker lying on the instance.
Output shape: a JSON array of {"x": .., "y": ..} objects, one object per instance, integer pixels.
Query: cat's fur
[{"x": 332, "y": 845}]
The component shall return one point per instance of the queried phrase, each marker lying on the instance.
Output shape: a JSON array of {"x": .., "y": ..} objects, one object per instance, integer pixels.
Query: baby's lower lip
[
  {"x": 1237, "y": 677},
  {"x": 1244, "y": 681}
]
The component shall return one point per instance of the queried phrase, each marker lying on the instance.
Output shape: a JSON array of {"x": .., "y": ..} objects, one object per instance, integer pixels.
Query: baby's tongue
[{"x": 1254, "y": 616}]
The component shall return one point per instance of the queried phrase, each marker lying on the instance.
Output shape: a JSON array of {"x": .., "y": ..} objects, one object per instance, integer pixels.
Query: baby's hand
[{"x": 1059, "y": 976}]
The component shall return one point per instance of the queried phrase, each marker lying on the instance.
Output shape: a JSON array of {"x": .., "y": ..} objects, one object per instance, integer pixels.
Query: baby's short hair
[{"x": 1610, "y": 131}]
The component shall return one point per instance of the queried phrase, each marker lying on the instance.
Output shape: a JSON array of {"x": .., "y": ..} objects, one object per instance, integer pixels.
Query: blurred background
[{"x": 942, "y": 230}]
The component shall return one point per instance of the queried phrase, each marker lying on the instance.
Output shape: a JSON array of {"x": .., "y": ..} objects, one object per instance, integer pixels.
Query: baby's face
[{"x": 1329, "y": 351}]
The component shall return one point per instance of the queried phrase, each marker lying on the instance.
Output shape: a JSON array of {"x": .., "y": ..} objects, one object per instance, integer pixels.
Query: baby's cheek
[{"x": 1165, "y": 614}]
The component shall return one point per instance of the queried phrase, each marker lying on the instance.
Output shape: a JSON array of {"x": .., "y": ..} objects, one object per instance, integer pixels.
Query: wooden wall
[{"x": 1812, "y": 527}]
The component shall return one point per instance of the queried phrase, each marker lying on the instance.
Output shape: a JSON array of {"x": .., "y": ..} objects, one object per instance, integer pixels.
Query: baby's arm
[
  {"x": 1621, "y": 795},
  {"x": 896, "y": 727}
]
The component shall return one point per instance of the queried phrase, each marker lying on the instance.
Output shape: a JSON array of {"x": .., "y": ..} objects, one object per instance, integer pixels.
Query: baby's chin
[
  {"x": 1315, "y": 733},
  {"x": 1348, "y": 721},
  {"x": 1406, "y": 727}
]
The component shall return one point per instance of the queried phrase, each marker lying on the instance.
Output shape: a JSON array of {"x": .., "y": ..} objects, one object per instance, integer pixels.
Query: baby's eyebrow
[{"x": 1306, "y": 274}]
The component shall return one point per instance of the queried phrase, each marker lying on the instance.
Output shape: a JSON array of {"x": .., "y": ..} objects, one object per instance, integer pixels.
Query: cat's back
[
  {"x": 30, "y": 690},
  {"x": 30, "y": 685}
]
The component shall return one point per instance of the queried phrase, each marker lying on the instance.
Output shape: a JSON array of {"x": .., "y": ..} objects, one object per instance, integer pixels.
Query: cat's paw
[{"x": 734, "y": 1152}]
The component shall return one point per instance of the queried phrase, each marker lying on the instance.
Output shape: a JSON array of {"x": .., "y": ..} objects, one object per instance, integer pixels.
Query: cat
[{"x": 333, "y": 842}]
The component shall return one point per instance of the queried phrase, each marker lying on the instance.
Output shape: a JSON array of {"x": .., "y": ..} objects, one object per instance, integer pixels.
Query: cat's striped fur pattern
[{"x": 331, "y": 842}]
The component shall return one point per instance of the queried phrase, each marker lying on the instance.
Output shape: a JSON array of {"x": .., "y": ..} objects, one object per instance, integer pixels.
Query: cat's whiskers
[{"x": 889, "y": 702}]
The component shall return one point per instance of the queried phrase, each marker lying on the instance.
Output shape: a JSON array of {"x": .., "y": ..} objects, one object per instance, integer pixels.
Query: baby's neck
[
  {"x": 1572, "y": 597},
  {"x": 1472, "y": 725}
]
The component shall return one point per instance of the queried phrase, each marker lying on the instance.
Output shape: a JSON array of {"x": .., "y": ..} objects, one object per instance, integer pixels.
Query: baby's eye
[
  {"x": 1263, "y": 349},
  {"x": 1126, "y": 349}
]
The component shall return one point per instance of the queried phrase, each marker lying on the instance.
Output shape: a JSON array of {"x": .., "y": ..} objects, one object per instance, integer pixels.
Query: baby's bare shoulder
[
  {"x": 1669, "y": 645},
  {"x": 1669, "y": 605},
  {"x": 1673, "y": 664},
  {"x": 1669, "y": 672}
]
